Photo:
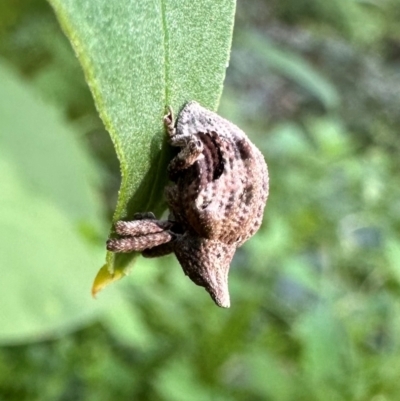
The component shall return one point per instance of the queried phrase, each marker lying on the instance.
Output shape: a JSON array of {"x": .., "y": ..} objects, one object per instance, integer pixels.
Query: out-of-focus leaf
[
  {"x": 139, "y": 57},
  {"x": 266, "y": 378},
  {"x": 127, "y": 325},
  {"x": 392, "y": 252},
  {"x": 48, "y": 156},
  {"x": 176, "y": 382},
  {"x": 327, "y": 359},
  {"x": 46, "y": 195},
  {"x": 292, "y": 66}
]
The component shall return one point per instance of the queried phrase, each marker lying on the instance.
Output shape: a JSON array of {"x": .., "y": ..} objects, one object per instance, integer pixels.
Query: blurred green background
[{"x": 315, "y": 294}]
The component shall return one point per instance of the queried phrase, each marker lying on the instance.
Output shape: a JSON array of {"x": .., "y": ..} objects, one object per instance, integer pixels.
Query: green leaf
[
  {"x": 46, "y": 197},
  {"x": 292, "y": 66},
  {"x": 327, "y": 355},
  {"x": 48, "y": 157},
  {"x": 139, "y": 57},
  {"x": 266, "y": 377}
]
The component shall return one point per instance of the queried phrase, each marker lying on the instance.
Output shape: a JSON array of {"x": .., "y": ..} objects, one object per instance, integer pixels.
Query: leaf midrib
[{"x": 160, "y": 162}]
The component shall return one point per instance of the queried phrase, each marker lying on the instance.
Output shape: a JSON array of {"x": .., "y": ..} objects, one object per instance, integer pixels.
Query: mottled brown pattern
[
  {"x": 139, "y": 243},
  {"x": 216, "y": 200}
]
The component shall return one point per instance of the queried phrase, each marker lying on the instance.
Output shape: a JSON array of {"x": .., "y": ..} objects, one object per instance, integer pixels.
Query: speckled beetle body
[{"x": 216, "y": 200}]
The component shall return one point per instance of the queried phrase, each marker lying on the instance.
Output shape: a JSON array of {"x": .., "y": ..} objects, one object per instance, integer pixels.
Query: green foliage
[
  {"x": 138, "y": 58},
  {"x": 48, "y": 214},
  {"x": 290, "y": 66},
  {"x": 315, "y": 294}
]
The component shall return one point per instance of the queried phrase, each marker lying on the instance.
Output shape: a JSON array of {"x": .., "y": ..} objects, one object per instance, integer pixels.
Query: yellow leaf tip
[{"x": 103, "y": 278}]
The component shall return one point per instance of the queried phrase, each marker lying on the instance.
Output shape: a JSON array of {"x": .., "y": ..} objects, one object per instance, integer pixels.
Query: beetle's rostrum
[{"x": 216, "y": 200}]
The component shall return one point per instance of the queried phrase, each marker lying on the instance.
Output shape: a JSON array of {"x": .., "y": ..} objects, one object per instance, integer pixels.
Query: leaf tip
[{"x": 103, "y": 278}]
